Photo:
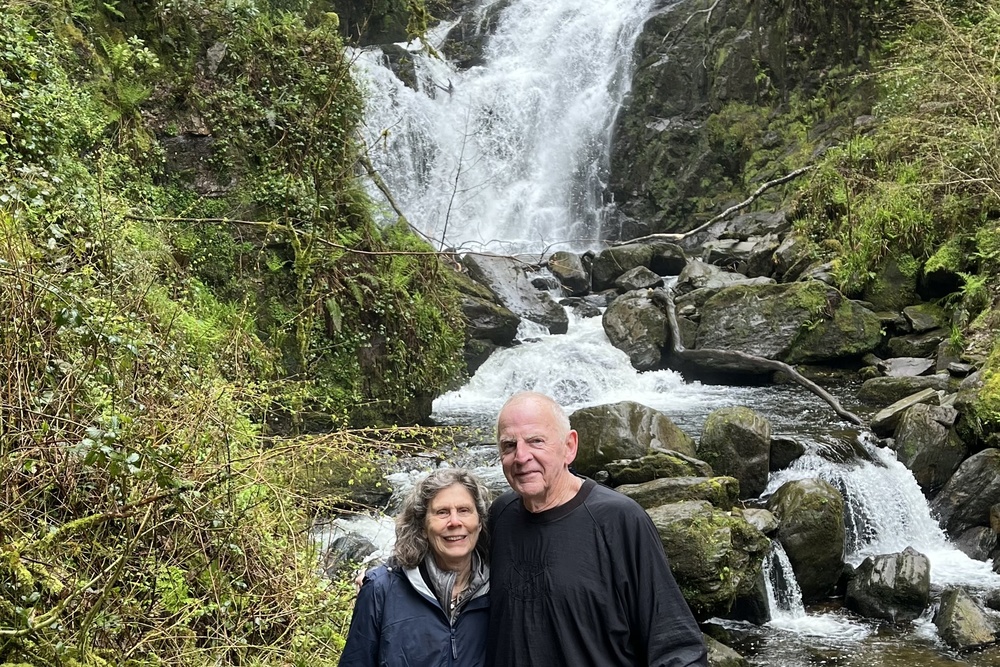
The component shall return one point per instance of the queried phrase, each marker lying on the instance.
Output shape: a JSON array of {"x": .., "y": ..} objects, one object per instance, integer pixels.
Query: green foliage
[{"x": 155, "y": 340}]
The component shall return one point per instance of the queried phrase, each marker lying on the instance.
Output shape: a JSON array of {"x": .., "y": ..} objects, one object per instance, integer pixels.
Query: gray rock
[
  {"x": 506, "y": 279},
  {"x": 625, "y": 430},
  {"x": 811, "y": 512},
  {"x": 637, "y": 325},
  {"x": 884, "y": 391},
  {"x": 977, "y": 542},
  {"x": 906, "y": 366},
  {"x": 761, "y": 519},
  {"x": 715, "y": 556},
  {"x": 923, "y": 344},
  {"x": 736, "y": 441},
  {"x": 925, "y": 442},
  {"x": 925, "y": 317},
  {"x": 656, "y": 465},
  {"x": 884, "y": 422},
  {"x": 638, "y": 278},
  {"x": 892, "y": 289},
  {"x": 792, "y": 250},
  {"x": 722, "y": 492},
  {"x": 569, "y": 270},
  {"x": 488, "y": 320},
  {"x": 961, "y": 622},
  {"x": 894, "y": 587},
  {"x": 720, "y": 655},
  {"x": 783, "y": 452},
  {"x": 610, "y": 263},
  {"x": 966, "y": 498},
  {"x": 699, "y": 275},
  {"x": 796, "y": 323}
]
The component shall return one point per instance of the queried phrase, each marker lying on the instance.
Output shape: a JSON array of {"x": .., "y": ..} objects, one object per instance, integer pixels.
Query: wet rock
[
  {"x": 722, "y": 492},
  {"x": 637, "y": 325},
  {"x": 655, "y": 466},
  {"x": 581, "y": 307},
  {"x": 893, "y": 288},
  {"x": 977, "y": 542},
  {"x": 505, "y": 277},
  {"x": 918, "y": 344},
  {"x": 783, "y": 452},
  {"x": 625, "y": 430},
  {"x": 811, "y": 512},
  {"x": 570, "y": 271},
  {"x": 906, "y": 366},
  {"x": 761, "y": 519},
  {"x": 611, "y": 263},
  {"x": 715, "y": 556},
  {"x": 793, "y": 250},
  {"x": 720, "y": 655},
  {"x": 345, "y": 552},
  {"x": 925, "y": 317},
  {"x": 638, "y": 278},
  {"x": 797, "y": 323},
  {"x": 966, "y": 499},
  {"x": 925, "y": 442},
  {"x": 884, "y": 422},
  {"x": 961, "y": 622},
  {"x": 699, "y": 275},
  {"x": 888, "y": 390},
  {"x": 736, "y": 441},
  {"x": 894, "y": 587}
]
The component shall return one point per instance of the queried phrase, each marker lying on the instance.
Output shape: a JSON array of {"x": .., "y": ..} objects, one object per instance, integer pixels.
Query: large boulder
[
  {"x": 506, "y": 278},
  {"x": 625, "y": 430},
  {"x": 801, "y": 322},
  {"x": 736, "y": 441},
  {"x": 885, "y": 420},
  {"x": 894, "y": 587},
  {"x": 715, "y": 555},
  {"x": 882, "y": 391},
  {"x": 923, "y": 344},
  {"x": 893, "y": 287},
  {"x": 722, "y": 492},
  {"x": 662, "y": 258},
  {"x": 961, "y": 622},
  {"x": 637, "y": 326},
  {"x": 571, "y": 272},
  {"x": 925, "y": 442},
  {"x": 966, "y": 498},
  {"x": 701, "y": 275},
  {"x": 654, "y": 466},
  {"x": 811, "y": 512}
]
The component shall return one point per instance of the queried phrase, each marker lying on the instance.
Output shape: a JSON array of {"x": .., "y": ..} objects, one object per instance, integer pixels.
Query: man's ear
[{"x": 571, "y": 446}]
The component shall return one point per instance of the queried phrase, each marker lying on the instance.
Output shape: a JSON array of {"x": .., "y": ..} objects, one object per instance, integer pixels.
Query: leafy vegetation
[{"x": 196, "y": 308}]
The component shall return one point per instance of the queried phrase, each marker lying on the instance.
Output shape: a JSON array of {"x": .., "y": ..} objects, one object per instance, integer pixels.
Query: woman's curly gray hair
[{"x": 411, "y": 532}]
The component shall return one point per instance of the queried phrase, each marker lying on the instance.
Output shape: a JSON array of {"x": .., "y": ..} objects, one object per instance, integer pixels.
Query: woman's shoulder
[{"x": 382, "y": 577}]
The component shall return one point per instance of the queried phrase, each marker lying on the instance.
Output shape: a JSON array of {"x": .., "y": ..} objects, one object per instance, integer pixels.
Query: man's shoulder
[{"x": 502, "y": 503}]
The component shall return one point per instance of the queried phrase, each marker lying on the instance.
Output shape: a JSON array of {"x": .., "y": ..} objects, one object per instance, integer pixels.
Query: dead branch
[
  {"x": 666, "y": 300},
  {"x": 725, "y": 214}
]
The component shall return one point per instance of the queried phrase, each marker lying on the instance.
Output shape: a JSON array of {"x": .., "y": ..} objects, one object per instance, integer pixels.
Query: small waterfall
[
  {"x": 783, "y": 592},
  {"x": 886, "y": 511},
  {"x": 513, "y": 154}
]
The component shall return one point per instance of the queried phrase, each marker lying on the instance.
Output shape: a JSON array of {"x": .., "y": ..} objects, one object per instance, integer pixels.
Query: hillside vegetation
[{"x": 201, "y": 323}]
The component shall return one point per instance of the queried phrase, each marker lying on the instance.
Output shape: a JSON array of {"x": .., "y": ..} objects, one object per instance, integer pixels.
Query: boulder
[
  {"x": 797, "y": 323},
  {"x": 925, "y": 317},
  {"x": 736, "y": 441},
  {"x": 488, "y": 320},
  {"x": 668, "y": 259},
  {"x": 610, "y": 263},
  {"x": 715, "y": 556},
  {"x": 961, "y": 622},
  {"x": 783, "y": 452},
  {"x": 654, "y": 466},
  {"x": 722, "y": 492},
  {"x": 966, "y": 498},
  {"x": 893, "y": 288},
  {"x": 637, "y": 325},
  {"x": 906, "y": 366},
  {"x": 700, "y": 275},
  {"x": 623, "y": 430},
  {"x": 925, "y": 442},
  {"x": 977, "y": 542},
  {"x": 894, "y": 587},
  {"x": 505, "y": 277},
  {"x": 923, "y": 344},
  {"x": 761, "y": 519},
  {"x": 793, "y": 250},
  {"x": 569, "y": 270},
  {"x": 720, "y": 655},
  {"x": 638, "y": 278},
  {"x": 886, "y": 390},
  {"x": 811, "y": 512},
  {"x": 884, "y": 422}
]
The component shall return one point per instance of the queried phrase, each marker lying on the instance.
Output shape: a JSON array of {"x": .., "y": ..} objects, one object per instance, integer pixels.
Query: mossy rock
[
  {"x": 654, "y": 466},
  {"x": 722, "y": 492}
]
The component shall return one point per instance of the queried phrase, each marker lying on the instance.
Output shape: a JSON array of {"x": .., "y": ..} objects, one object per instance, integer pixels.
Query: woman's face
[{"x": 452, "y": 526}]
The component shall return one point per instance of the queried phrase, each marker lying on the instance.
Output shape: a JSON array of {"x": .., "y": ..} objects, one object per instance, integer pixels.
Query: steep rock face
[{"x": 695, "y": 57}]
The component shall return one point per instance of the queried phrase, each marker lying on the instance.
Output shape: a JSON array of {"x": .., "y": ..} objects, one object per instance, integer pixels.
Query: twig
[{"x": 729, "y": 211}]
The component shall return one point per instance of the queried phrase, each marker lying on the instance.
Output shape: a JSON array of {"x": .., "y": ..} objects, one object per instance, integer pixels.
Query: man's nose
[{"x": 522, "y": 452}]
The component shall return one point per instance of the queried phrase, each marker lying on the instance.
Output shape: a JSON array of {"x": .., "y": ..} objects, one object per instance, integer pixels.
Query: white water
[{"x": 513, "y": 155}]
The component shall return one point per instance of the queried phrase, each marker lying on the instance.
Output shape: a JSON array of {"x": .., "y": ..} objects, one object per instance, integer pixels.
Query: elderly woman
[{"x": 429, "y": 607}]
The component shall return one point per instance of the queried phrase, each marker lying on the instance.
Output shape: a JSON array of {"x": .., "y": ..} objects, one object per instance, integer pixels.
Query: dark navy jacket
[{"x": 398, "y": 622}]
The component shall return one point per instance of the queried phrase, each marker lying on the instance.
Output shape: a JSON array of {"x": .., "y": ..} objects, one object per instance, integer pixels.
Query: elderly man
[{"x": 579, "y": 576}]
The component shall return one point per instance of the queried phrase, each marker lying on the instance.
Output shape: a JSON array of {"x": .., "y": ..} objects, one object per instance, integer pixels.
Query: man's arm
[
  {"x": 665, "y": 632},
  {"x": 362, "y": 646}
]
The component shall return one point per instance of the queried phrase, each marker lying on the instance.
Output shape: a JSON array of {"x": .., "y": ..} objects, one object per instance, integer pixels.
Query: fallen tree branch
[
  {"x": 741, "y": 360},
  {"x": 725, "y": 214}
]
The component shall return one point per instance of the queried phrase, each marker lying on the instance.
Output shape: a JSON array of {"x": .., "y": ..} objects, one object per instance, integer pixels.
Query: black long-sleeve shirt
[{"x": 585, "y": 583}]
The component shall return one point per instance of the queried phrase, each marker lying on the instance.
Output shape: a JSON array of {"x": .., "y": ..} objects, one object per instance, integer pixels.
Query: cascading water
[{"x": 512, "y": 155}]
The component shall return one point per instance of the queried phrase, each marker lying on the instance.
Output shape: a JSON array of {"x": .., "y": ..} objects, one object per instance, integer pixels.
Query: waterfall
[
  {"x": 513, "y": 155},
  {"x": 783, "y": 593},
  {"x": 885, "y": 512}
]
